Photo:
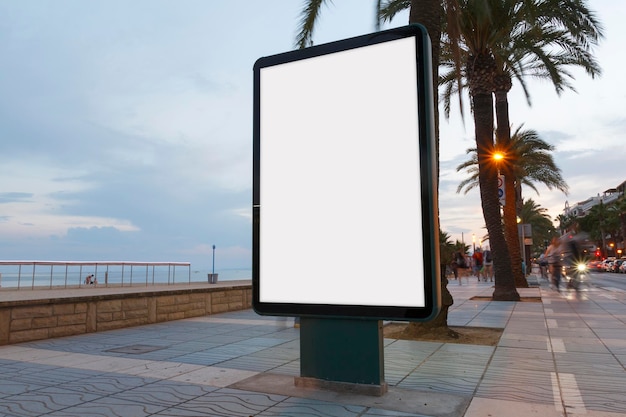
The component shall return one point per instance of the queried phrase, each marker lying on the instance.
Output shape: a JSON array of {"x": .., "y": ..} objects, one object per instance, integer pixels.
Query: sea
[{"x": 60, "y": 276}]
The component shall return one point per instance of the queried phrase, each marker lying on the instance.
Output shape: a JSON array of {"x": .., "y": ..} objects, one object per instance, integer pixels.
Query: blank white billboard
[{"x": 344, "y": 219}]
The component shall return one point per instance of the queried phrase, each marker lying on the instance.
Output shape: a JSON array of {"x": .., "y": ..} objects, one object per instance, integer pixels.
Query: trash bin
[{"x": 212, "y": 278}]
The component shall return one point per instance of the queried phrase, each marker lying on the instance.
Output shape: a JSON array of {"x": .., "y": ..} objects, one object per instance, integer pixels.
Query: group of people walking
[
  {"x": 559, "y": 254},
  {"x": 481, "y": 264}
]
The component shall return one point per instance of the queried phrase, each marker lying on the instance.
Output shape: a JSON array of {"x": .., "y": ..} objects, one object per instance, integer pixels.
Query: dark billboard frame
[{"x": 274, "y": 76}]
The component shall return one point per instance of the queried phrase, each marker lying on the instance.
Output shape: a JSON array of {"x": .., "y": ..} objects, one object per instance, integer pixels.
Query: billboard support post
[{"x": 342, "y": 355}]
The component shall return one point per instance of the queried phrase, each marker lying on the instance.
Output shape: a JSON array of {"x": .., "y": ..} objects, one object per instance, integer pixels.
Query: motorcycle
[{"x": 576, "y": 276}]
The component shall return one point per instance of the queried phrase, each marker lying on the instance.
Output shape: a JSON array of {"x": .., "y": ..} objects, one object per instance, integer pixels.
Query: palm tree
[
  {"x": 541, "y": 224},
  {"x": 479, "y": 22},
  {"x": 529, "y": 161},
  {"x": 572, "y": 28},
  {"x": 620, "y": 210},
  {"x": 602, "y": 221},
  {"x": 566, "y": 223},
  {"x": 522, "y": 38}
]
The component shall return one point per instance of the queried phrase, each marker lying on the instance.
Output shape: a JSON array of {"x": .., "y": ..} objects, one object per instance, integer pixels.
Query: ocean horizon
[{"x": 46, "y": 276}]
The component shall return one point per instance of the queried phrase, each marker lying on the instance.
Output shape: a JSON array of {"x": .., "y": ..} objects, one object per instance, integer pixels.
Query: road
[{"x": 608, "y": 281}]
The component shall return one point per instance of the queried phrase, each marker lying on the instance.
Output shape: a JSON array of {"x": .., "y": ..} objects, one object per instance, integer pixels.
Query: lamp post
[
  {"x": 213, "y": 270},
  {"x": 474, "y": 242}
]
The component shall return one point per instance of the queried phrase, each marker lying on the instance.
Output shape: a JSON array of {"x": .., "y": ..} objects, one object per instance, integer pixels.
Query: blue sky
[{"x": 126, "y": 126}]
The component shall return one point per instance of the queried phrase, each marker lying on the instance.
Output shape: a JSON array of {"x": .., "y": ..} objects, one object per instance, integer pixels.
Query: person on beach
[{"x": 88, "y": 279}]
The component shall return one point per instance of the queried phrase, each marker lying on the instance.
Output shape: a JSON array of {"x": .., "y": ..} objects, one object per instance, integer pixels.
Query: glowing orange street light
[{"x": 498, "y": 156}]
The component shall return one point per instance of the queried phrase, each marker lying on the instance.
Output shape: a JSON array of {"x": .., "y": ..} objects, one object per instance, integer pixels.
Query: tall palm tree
[
  {"x": 479, "y": 22},
  {"x": 537, "y": 38},
  {"x": 567, "y": 30},
  {"x": 529, "y": 161}
]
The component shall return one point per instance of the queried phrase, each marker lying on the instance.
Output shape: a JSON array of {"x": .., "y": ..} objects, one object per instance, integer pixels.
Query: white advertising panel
[{"x": 344, "y": 196}]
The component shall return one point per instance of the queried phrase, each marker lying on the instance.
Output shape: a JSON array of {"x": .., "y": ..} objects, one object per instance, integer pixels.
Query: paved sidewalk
[{"x": 563, "y": 356}]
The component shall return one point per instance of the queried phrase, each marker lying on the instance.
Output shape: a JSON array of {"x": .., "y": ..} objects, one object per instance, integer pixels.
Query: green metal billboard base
[{"x": 342, "y": 355}]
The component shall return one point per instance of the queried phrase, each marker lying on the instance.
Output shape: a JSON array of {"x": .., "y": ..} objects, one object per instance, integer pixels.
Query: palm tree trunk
[
  {"x": 429, "y": 13},
  {"x": 487, "y": 177},
  {"x": 511, "y": 234}
]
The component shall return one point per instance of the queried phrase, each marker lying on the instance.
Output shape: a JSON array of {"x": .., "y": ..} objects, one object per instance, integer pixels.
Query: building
[{"x": 581, "y": 209}]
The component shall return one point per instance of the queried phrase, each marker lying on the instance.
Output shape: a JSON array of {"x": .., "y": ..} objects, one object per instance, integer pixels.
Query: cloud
[{"x": 10, "y": 197}]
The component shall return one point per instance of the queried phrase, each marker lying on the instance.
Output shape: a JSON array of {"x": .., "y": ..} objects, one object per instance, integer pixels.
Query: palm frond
[{"x": 308, "y": 18}]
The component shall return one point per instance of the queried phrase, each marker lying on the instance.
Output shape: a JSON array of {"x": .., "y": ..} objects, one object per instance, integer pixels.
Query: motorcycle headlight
[{"x": 582, "y": 267}]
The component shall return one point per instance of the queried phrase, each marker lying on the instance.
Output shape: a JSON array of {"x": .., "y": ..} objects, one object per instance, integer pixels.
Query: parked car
[
  {"x": 595, "y": 266},
  {"x": 606, "y": 264},
  {"x": 609, "y": 265},
  {"x": 615, "y": 265},
  {"x": 622, "y": 267}
]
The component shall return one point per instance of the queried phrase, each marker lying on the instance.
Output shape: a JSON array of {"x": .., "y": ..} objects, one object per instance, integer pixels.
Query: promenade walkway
[{"x": 563, "y": 356}]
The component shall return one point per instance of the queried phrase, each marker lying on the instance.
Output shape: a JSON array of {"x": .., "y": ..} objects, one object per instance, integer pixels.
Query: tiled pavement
[{"x": 563, "y": 356}]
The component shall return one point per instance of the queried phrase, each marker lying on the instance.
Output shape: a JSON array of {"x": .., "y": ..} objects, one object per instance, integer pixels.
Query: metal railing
[{"x": 72, "y": 274}]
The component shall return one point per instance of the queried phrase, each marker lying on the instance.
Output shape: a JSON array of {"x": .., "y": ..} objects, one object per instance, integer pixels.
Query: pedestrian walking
[{"x": 553, "y": 254}]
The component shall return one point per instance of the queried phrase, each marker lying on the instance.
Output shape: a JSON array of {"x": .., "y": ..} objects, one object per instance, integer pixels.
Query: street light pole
[
  {"x": 213, "y": 271},
  {"x": 474, "y": 242}
]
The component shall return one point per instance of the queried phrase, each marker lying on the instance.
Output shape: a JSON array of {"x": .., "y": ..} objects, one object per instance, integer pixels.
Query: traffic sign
[{"x": 501, "y": 195}]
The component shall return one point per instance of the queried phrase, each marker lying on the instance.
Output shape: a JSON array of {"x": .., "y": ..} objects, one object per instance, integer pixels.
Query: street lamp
[
  {"x": 474, "y": 242},
  {"x": 213, "y": 270},
  {"x": 612, "y": 245}
]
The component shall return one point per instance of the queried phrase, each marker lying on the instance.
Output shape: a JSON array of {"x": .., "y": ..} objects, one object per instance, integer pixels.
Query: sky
[{"x": 126, "y": 126}]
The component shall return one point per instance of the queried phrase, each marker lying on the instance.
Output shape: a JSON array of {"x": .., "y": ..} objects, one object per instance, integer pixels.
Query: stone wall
[{"x": 26, "y": 320}]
